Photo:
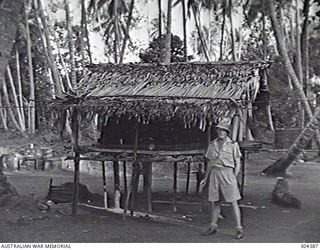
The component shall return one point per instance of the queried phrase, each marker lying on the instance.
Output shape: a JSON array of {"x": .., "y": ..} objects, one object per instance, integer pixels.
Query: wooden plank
[{"x": 146, "y": 152}]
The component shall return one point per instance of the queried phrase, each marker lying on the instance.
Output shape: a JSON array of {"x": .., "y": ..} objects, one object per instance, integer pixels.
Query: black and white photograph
[{"x": 159, "y": 121}]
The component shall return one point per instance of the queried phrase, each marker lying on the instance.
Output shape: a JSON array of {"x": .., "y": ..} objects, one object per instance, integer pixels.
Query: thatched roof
[{"x": 195, "y": 92}]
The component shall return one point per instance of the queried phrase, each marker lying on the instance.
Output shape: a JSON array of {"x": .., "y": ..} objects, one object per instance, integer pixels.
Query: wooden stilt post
[
  {"x": 175, "y": 185},
  {"x": 116, "y": 176},
  {"x": 134, "y": 166},
  {"x": 147, "y": 181},
  {"x": 75, "y": 139},
  {"x": 105, "y": 194},
  {"x": 125, "y": 182},
  {"x": 199, "y": 177},
  {"x": 188, "y": 177},
  {"x": 135, "y": 181},
  {"x": 116, "y": 181}
]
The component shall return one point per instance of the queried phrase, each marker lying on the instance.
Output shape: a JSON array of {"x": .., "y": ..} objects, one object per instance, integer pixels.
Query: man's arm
[{"x": 237, "y": 159}]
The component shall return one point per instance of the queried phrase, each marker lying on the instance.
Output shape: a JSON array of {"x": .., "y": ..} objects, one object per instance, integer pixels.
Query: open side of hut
[{"x": 149, "y": 112}]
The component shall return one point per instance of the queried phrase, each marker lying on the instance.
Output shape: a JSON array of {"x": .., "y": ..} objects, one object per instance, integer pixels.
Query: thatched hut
[{"x": 150, "y": 113}]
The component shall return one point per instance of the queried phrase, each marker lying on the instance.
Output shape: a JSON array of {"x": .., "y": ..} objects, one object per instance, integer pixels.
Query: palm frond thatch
[{"x": 196, "y": 92}]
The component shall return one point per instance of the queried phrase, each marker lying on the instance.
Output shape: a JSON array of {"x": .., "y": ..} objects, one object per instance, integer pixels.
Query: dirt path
[{"x": 266, "y": 223}]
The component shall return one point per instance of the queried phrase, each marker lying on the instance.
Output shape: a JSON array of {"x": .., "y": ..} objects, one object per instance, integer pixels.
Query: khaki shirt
[{"x": 226, "y": 156}]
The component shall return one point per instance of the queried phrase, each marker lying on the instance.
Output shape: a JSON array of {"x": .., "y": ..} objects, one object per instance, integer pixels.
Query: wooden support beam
[
  {"x": 105, "y": 194},
  {"x": 188, "y": 177},
  {"x": 175, "y": 185}
]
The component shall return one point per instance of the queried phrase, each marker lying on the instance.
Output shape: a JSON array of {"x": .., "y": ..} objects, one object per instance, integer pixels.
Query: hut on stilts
[{"x": 157, "y": 113}]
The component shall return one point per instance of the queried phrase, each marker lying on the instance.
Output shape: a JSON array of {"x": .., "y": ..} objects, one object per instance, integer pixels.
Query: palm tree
[
  {"x": 9, "y": 19},
  {"x": 281, "y": 165},
  {"x": 160, "y": 17},
  {"x": 32, "y": 107},
  {"x": 71, "y": 45},
  {"x": 184, "y": 23},
  {"x": 195, "y": 7},
  {"x": 126, "y": 36},
  {"x": 58, "y": 86},
  {"x": 167, "y": 55},
  {"x": 287, "y": 64}
]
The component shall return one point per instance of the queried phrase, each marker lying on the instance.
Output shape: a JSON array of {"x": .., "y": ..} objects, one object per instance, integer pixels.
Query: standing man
[{"x": 223, "y": 156}]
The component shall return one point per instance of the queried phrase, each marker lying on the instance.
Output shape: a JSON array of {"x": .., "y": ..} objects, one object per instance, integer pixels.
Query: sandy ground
[{"x": 21, "y": 221}]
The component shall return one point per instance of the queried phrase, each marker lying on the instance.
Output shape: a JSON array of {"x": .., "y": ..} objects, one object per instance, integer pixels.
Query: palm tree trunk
[
  {"x": 203, "y": 43},
  {"x": 15, "y": 101},
  {"x": 82, "y": 33},
  {"x": 298, "y": 60},
  {"x": 3, "y": 115},
  {"x": 280, "y": 166},
  {"x": 48, "y": 48},
  {"x": 20, "y": 87},
  {"x": 9, "y": 18},
  {"x": 71, "y": 44},
  {"x": 305, "y": 49},
  {"x": 223, "y": 28},
  {"x": 126, "y": 35},
  {"x": 287, "y": 64},
  {"x": 85, "y": 21},
  {"x": 9, "y": 107},
  {"x": 233, "y": 45},
  {"x": 116, "y": 34},
  {"x": 160, "y": 18},
  {"x": 167, "y": 57},
  {"x": 32, "y": 118},
  {"x": 185, "y": 42}
]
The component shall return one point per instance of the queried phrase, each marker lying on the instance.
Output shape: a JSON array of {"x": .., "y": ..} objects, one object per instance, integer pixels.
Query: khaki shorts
[{"x": 223, "y": 183}]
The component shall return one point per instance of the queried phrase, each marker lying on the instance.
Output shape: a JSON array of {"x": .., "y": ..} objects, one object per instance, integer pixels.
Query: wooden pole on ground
[
  {"x": 75, "y": 136},
  {"x": 105, "y": 194},
  {"x": 175, "y": 185}
]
